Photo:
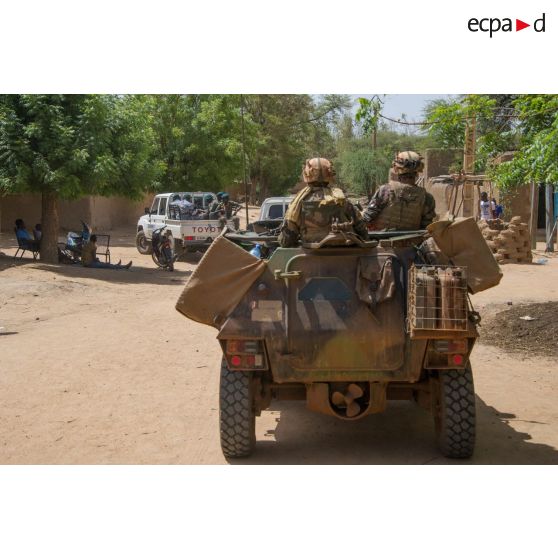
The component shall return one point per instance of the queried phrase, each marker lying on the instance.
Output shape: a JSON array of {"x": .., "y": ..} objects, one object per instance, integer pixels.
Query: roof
[
  {"x": 182, "y": 193},
  {"x": 278, "y": 199}
]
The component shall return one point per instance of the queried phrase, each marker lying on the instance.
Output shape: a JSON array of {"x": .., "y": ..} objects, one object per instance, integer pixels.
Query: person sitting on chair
[
  {"x": 89, "y": 257},
  {"x": 24, "y": 236},
  {"x": 38, "y": 232}
]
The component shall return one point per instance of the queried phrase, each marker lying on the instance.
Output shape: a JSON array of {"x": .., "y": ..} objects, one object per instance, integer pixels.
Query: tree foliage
[
  {"x": 526, "y": 124},
  {"x": 536, "y": 159},
  {"x": 66, "y": 146},
  {"x": 198, "y": 140}
]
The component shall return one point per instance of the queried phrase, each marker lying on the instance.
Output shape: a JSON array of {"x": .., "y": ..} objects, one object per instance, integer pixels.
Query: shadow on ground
[
  {"x": 403, "y": 435},
  {"x": 136, "y": 275}
]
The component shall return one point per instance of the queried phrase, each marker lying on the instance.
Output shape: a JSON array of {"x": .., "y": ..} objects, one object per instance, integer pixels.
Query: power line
[{"x": 511, "y": 113}]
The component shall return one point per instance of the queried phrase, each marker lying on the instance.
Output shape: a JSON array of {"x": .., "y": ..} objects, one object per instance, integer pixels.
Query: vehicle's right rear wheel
[
  {"x": 455, "y": 417},
  {"x": 142, "y": 244},
  {"x": 237, "y": 419}
]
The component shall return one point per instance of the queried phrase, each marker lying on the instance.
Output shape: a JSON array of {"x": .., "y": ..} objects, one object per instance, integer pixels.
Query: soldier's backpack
[{"x": 319, "y": 214}]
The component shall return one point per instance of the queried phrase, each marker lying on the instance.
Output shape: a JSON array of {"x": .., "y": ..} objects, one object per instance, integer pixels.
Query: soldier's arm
[
  {"x": 359, "y": 225},
  {"x": 377, "y": 203},
  {"x": 428, "y": 211},
  {"x": 289, "y": 236}
]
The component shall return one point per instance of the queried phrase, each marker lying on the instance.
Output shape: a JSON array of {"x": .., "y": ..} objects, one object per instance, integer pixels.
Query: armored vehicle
[{"x": 345, "y": 328}]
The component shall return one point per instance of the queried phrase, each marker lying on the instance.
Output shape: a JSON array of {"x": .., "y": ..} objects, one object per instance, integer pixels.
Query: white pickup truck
[
  {"x": 191, "y": 234},
  {"x": 271, "y": 215}
]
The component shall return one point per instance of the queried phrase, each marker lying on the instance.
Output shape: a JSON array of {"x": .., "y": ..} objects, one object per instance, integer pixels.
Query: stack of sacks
[{"x": 510, "y": 243}]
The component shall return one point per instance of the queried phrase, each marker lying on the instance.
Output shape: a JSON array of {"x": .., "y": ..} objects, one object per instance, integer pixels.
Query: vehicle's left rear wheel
[
  {"x": 455, "y": 415},
  {"x": 237, "y": 419}
]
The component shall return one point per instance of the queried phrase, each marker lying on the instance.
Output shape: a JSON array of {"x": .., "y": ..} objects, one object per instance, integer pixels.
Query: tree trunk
[{"x": 49, "y": 224}]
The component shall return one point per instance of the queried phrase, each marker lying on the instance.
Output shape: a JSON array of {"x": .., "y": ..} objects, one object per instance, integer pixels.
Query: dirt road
[{"x": 96, "y": 366}]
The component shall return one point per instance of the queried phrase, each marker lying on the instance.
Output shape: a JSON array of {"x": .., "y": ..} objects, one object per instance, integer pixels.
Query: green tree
[
  {"x": 198, "y": 140},
  {"x": 368, "y": 114},
  {"x": 363, "y": 169},
  {"x": 446, "y": 121},
  {"x": 536, "y": 159},
  {"x": 66, "y": 146}
]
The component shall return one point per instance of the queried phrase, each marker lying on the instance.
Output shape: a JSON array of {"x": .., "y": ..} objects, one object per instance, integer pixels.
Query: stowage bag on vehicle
[
  {"x": 462, "y": 242},
  {"x": 221, "y": 279}
]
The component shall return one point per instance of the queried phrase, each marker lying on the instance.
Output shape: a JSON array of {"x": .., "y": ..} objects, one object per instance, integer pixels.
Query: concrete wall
[
  {"x": 103, "y": 214},
  {"x": 440, "y": 161},
  {"x": 516, "y": 203}
]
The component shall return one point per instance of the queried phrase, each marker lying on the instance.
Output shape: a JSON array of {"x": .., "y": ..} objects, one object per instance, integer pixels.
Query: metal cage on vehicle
[{"x": 437, "y": 299}]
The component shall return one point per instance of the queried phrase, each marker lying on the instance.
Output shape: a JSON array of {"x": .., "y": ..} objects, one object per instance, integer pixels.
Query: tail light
[
  {"x": 189, "y": 238},
  {"x": 447, "y": 353},
  {"x": 245, "y": 354}
]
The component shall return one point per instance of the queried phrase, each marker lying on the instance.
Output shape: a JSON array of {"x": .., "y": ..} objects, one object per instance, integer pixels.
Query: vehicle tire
[
  {"x": 156, "y": 260},
  {"x": 455, "y": 419},
  {"x": 237, "y": 420},
  {"x": 142, "y": 244}
]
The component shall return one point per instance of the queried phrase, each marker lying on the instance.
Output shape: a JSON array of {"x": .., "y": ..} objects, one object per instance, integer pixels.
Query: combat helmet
[
  {"x": 318, "y": 170},
  {"x": 408, "y": 162}
]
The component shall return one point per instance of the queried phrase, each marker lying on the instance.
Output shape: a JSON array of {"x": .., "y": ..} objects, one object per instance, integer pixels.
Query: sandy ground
[{"x": 96, "y": 366}]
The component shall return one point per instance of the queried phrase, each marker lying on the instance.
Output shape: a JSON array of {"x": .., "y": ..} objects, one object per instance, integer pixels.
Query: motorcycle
[
  {"x": 162, "y": 249},
  {"x": 74, "y": 243}
]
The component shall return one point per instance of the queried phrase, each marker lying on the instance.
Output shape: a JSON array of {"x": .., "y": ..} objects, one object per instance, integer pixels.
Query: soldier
[
  {"x": 402, "y": 205},
  {"x": 227, "y": 208},
  {"x": 208, "y": 201},
  {"x": 317, "y": 206},
  {"x": 214, "y": 207}
]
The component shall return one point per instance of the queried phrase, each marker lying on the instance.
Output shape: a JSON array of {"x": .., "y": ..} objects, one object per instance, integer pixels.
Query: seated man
[
  {"x": 226, "y": 209},
  {"x": 317, "y": 206},
  {"x": 208, "y": 200},
  {"x": 402, "y": 205},
  {"x": 24, "y": 236},
  {"x": 38, "y": 232},
  {"x": 188, "y": 210},
  {"x": 89, "y": 257},
  {"x": 214, "y": 206}
]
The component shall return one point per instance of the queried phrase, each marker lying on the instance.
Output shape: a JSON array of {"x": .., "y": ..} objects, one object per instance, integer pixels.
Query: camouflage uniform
[
  {"x": 317, "y": 206},
  {"x": 401, "y": 204}
]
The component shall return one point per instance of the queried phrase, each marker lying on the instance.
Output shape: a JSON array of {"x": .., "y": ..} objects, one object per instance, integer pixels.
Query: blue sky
[{"x": 410, "y": 105}]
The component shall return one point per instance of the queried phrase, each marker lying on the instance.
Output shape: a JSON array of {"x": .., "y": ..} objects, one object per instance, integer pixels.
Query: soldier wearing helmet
[
  {"x": 317, "y": 206},
  {"x": 401, "y": 204}
]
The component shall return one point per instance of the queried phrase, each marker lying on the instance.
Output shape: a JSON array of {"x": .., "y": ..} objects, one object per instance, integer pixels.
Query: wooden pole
[
  {"x": 244, "y": 160},
  {"x": 549, "y": 209},
  {"x": 534, "y": 215}
]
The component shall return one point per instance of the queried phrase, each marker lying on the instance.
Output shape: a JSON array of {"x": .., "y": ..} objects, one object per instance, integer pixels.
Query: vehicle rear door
[{"x": 330, "y": 328}]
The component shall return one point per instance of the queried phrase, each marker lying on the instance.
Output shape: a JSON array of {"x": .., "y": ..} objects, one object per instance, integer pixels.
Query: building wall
[
  {"x": 102, "y": 213},
  {"x": 439, "y": 161},
  {"x": 516, "y": 203}
]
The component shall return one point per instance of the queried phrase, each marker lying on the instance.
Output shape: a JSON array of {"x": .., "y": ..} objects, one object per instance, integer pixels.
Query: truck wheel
[
  {"x": 455, "y": 420},
  {"x": 237, "y": 420},
  {"x": 142, "y": 244}
]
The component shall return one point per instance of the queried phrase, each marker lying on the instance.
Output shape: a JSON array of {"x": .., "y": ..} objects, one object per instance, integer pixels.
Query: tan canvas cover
[
  {"x": 462, "y": 242},
  {"x": 221, "y": 279}
]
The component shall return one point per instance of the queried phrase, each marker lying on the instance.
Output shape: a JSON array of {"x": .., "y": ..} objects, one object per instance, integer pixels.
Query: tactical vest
[
  {"x": 317, "y": 219},
  {"x": 404, "y": 208}
]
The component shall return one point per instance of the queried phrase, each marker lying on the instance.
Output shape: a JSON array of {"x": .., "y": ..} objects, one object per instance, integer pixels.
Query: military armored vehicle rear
[{"x": 345, "y": 328}]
